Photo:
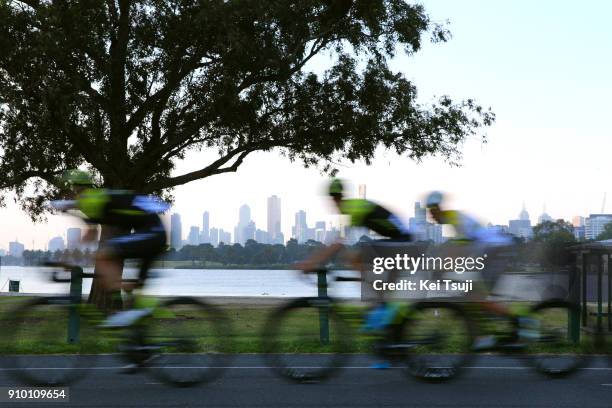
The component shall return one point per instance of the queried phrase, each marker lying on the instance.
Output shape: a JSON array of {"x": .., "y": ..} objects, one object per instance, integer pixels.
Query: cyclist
[
  {"x": 141, "y": 233},
  {"x": 362, "y": 213},
  {"x": 366, "y": 214},
  {"x": 481, "y": 239}
]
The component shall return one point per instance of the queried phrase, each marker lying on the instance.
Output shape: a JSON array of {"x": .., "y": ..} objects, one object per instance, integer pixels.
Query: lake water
[{"x": 191, "y": 282}]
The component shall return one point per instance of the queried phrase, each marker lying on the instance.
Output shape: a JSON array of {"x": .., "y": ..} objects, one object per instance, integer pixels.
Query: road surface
[{"x": 491, "y": 381}]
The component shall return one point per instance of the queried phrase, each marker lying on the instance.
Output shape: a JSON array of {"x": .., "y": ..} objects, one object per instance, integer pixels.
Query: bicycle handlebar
[
  {"x": 79, "y": 271},
  {"x": 347, "y": 279}
]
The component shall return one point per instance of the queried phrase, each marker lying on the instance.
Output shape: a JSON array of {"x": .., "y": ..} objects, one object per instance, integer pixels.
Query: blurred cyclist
[
  {"x": 362, "y": 213},
  {"x": 367, "y": 214},
  {"x": 483, "y": 241},
  {"x": 140, "y": 232}
]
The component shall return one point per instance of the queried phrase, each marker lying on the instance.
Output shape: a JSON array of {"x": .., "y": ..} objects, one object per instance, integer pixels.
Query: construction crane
[{"x": 603, "y": 204}]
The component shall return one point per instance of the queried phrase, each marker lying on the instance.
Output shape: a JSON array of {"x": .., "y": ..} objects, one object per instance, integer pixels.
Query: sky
[{"x": 543, "y": 67}]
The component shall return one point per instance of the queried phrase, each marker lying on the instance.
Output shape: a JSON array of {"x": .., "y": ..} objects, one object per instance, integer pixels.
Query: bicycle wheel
[
  {"x": 44, "y": 351},
  {"x": 437, "y": 337},
  {"x": 297, "y": 345},
  {"x": 550, "y": 348},
  {"x": 184, "y": 343}
]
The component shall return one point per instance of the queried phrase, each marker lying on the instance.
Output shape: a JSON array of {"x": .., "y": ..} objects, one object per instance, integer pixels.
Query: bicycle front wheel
[
  {"x": 305, "y": 340},
  {"x": 437, "y": 338},
  {"x": 48, "y": 342},
  {"x": 185, "y": 342},
  {"x": 551, "y": 349}
]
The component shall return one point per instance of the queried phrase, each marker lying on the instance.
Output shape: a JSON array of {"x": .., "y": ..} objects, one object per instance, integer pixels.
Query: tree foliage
[
  {"x": 553, "y": 238},
  {"x": 128, "y": 87},
  {"x": 606, "y": 233}
]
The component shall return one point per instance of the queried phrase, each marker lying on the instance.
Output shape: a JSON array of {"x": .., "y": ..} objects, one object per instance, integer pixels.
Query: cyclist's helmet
[
  {"x": 335, "y": 187},
  {"x": 434, "y": 199},
  {"x": 77, "y": 177}
]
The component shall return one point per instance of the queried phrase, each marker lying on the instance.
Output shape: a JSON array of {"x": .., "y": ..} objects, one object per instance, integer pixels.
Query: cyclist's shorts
[{"x": 139, "y": 245}]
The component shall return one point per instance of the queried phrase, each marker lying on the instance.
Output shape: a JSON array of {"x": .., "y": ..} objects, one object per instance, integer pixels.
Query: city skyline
[{"x": 585, "y": 227}]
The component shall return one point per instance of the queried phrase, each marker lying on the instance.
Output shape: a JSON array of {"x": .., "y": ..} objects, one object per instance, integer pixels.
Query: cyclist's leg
[{"x": 110, "y": 268}]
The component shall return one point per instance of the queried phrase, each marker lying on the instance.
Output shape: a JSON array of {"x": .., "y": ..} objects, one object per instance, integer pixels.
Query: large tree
[{"x": 127, "y": 87}]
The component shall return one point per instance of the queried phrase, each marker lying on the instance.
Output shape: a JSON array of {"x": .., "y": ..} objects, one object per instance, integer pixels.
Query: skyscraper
[
  {"x": 522, "y": 226},
  {"x": 176, "y": 232},
  {"x": 300, "y": 228},
  {"x": 16, "y": 249},
  {"x": 194, "y": 236},
  {"x": 244, "y": 215},
  {"x": 214, "y": 237},
  {"x": 56, "y": 244},
  {"x": 73, "y": 238},
  {"x": 225, "y": 237},
  {"x": 205, "y": 236},
  {"x": 244, "y": 218},
  {"x": 274, "y": 219}
]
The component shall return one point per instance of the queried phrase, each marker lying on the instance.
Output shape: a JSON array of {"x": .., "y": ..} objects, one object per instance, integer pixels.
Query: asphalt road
[{"x": 490, "y": 382}]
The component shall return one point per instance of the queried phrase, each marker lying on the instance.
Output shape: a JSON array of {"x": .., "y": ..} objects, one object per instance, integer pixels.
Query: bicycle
[
  {"x": 180, "y": 341},
  {"x": 546, "y": 344},
  {"x": 334, "y": 337}
]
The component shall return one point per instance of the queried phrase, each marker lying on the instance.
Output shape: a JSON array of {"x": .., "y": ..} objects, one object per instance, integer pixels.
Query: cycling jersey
[
  {"x": 120, "y": 208},
  {"x": 467, "y": 227},
  {"x": 364, "y": 213},
  {"x": 144, "y": 236}
]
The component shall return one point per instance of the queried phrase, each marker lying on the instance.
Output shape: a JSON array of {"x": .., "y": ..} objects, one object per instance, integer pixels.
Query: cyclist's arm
[{"x": 91, "y": 233}]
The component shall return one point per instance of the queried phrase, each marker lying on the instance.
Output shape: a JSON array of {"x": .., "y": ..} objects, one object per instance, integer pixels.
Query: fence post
[
  {"x": 574, "y": 298},
  {"x": 76, "y": 291},
  {"x": 323, "y": 310}
]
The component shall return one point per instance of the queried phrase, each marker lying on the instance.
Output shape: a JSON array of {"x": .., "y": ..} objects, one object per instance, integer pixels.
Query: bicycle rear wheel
[
  {"x": 44, "y": 351},
  {"x": 437, "y": 338},
  {"x": 184, "y": 343},
  {"x": 551, "y": 351},
  {"x": 298, "y": 343}
]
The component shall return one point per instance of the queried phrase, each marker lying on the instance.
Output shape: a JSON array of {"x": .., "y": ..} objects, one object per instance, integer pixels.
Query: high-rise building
[
  {"x": 594, "y": 225},
  {"x": 205, "y": 235},
  {"x": 16, "y": 249},
  {"x": 319, "y": 231},
  {"x": 262, "y": 236},
  {"x": 248, "y": 232},
  {"x": 300, "y": 228},
  {"x": 579, "y": 229},
  {"x": 73, "y": 238},
  {"x": 214, "y": 237},
  {"x": 242, "y": 231},
  {"x": 274, "y": 219},
  {"x": 578, "y": 221},
  {"x": 194, "y": 236},
  {"x": 244, "y": 215},
  {"x": 521, "y": 227},
  {"x": 225, "y": 237},
  {"x": 176, "y": 232},
  {"x": 56, "y": 244},
  {"x": 544, "y": 217},
  {"x": 421, "y": 229}
]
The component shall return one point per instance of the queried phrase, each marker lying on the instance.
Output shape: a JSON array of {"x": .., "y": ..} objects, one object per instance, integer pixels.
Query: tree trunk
[{"x": 105, "y": 300}]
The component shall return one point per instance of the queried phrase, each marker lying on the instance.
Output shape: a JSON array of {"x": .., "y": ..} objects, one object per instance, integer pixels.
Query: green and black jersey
[
  {"x": 119, "y": 208},
  {"x": 364, "y": 213}
]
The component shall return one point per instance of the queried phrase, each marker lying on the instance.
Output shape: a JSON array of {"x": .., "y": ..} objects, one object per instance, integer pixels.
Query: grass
[{"x": 44, "y": 331}]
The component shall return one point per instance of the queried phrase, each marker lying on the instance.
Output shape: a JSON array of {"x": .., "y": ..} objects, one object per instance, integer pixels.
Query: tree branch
[{"x": 212, "y": 169}]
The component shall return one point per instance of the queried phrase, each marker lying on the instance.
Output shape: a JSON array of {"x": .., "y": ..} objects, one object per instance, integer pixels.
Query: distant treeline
[
  {"x": 252, "y": 253},
  {"x": 31, "y": 258}
]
